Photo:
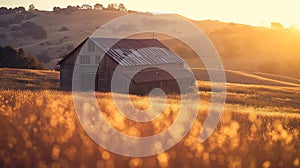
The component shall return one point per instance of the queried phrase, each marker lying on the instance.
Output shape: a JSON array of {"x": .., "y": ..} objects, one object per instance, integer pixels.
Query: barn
[{"x": 145, "y": 62}]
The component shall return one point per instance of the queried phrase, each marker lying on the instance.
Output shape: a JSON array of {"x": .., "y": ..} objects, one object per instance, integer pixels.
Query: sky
[{"x": 252, "y": 12}]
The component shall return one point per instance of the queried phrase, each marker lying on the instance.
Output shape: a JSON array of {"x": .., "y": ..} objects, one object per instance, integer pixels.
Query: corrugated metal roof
[{"x": 129, "y": 52}]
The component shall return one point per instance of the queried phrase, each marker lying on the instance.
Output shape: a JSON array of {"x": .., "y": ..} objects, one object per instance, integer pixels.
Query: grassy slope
[
  {"x": 259, "y": 128},
  {"x": 28, "y": 79},
  {"x": 80, "y": 23},
  {"x": 241, "y": 47},
  {"x": 255, "y": 78}
]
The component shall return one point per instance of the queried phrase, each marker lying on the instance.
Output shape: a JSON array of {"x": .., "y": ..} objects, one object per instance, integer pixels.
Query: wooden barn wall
[
  {"x": 66, "y": 70},
  {"x": 104, "y": 74}
]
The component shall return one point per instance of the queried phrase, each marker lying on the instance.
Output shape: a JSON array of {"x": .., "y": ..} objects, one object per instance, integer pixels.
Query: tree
[
  {"x": 3, "y": 10},
  {"x": 86, "y": 6},
  {"x": 31, "y": 7},
  {"x": 20, "y": 9},
  {"x": 122, "y": 7},
  {"x": 8, "y": 56},
  {"x": 30, "y": 62},
  {"x": 112, "y": 7},
  {"x": 98, "y": 6},
  {"x": 12, "y": 58},
  {"x": 34, "y": 30},
  {"x": 56, "y": 9},
  {"x": 277, "y": 26},
  {"x": 21, "y": 53}
]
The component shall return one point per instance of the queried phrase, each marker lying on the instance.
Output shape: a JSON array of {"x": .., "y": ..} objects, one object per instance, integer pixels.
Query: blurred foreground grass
[
  {"x": 41, "y": 129},
  {"x": 259, "y": 128}
]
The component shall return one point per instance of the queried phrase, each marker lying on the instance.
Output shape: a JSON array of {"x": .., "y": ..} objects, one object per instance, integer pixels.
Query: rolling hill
[{"x": 242, "y": 47}]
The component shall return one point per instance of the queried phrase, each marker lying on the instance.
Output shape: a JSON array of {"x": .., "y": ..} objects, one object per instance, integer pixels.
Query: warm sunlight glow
[
  {"x": 253, "y": 12},
  {"x": 150, "y": 83}
]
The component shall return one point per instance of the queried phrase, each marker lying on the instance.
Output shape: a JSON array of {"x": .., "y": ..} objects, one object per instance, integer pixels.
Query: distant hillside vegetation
[
  {"x": 12, "y": 58},
  {"x": 241, "y": 47}
]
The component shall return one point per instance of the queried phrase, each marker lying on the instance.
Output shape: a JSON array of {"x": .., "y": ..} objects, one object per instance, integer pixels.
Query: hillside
[
  {"x": 251, "y": 78},
  {"x": 64, "y": 31},
  {"x": 242, "y": 47}
]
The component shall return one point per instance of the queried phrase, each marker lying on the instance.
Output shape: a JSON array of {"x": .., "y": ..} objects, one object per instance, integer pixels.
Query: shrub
[
  {"x": 64, "y": 29},
  {"x": 36, "y": 31},
  {"x": 56, "y": 9},
  {"x": 69, "y": 10},
  {"x": 17, "y": 34},
  {"x": 11, "y": 58},
  {"x": 30, "y": 62},
  {"x": 14, "y": 28},
  {"x": 4, "y": 10},
  {"x": 16, "y": 20},
  {"x": 28, "y": 29}
]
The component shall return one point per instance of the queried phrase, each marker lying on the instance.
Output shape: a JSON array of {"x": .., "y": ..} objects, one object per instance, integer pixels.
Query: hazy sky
[{"x": 254, "y": 12}]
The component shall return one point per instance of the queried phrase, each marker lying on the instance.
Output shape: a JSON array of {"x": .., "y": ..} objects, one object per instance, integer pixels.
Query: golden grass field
[{"x": 260, "y": 127}]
